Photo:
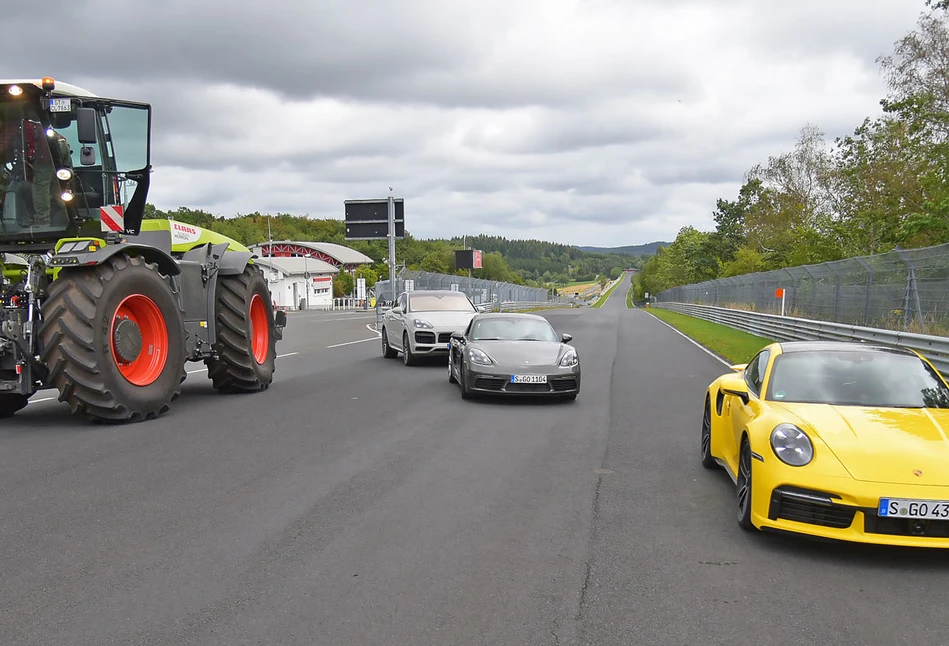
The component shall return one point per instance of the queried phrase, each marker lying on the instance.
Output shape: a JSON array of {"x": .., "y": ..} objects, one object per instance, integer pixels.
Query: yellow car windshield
[{"x": 874, "y": 378}]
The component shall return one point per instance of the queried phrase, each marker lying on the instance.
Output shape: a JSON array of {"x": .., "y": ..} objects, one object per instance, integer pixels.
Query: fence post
[
  {"x": 866, "y": 301},
  {"x": 912, "y": 292},
  {"x": 834, "y": 269}
]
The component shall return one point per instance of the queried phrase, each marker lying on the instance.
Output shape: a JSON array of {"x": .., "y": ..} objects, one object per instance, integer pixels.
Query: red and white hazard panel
[{"x": 112, "y": 218}]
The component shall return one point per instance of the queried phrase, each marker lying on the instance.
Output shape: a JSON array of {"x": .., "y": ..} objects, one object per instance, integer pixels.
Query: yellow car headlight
[{"x": 791, "y": 445}]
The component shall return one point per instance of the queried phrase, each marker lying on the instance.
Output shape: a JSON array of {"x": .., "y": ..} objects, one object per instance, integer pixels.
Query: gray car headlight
[
  {"x": 419, "y": 323},
  {"x": 479, "y": 357},
  {"x": 570, "y": 359},
  {"x": 791, "y": 445}
]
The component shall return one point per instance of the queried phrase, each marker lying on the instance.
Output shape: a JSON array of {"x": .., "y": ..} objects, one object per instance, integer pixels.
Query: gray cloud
[{"x": 585, "y": 121}]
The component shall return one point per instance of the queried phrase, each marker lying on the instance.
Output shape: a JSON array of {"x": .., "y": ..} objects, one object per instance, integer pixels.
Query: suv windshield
[
  {"x": 857, "y": 378},
  {"x": 512, "y": 329},
  {"x": 457, "y": 302},
  {"x": 30, "y": 153}
]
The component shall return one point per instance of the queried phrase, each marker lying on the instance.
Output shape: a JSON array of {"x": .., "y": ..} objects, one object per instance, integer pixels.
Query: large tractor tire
[
  {"x": 246, "y": 345},
  {"x": 10, "y": 404},
  {"x": 113, "y": 339}
]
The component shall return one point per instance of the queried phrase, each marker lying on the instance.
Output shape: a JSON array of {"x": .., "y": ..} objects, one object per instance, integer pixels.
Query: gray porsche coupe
[{"x": 513, "y": 354}]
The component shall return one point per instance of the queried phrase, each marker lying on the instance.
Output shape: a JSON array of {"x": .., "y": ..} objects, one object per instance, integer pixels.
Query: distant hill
[{"x": 648, "y": 249}]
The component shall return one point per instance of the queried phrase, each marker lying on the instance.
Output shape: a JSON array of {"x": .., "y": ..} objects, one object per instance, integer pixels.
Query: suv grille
[{"x": 427, "y": 338}]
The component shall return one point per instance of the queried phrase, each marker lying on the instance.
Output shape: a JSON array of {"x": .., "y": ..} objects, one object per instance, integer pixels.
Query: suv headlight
[
  {"x": 479, "y": 357},
  {"x": 791, "y": 445},
  {"x": 419, "y": 323},
  {"x": 570, "y": 359}
]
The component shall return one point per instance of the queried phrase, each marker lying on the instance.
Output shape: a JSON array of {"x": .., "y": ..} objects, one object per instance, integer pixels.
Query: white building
[{"x": 288, "y": 278}]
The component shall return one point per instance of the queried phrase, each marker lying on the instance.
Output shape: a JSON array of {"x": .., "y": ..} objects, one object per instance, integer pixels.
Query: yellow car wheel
[
  {"x": 707, "y": 461},
  {"x": 743, "y": 486}
]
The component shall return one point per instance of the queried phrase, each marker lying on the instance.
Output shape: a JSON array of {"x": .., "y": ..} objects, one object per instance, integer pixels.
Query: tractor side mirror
[
  {"x": 86, "y": 125},
  {"x": 87, "y": 156}
]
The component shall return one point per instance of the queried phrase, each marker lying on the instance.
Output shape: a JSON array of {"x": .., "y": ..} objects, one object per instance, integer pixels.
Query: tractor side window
[{"x": 127, "y": 134}]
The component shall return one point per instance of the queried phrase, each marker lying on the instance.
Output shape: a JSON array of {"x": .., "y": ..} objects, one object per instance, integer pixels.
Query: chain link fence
[
  {"x": 477, "y": 289},
  {"x": 905, "y": 289},
  {"x": 480, "y": 291}
]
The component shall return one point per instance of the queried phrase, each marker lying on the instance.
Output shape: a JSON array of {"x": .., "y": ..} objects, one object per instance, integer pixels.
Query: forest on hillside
[
  {"x": 523, "y": 262},
  {"x": 885, "y": 185}
]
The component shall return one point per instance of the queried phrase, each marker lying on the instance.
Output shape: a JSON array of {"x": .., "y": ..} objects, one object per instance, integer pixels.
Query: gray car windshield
[
  {"x": 440, "y": 303},
  {"x": 857, "y": 378},
  {"x": 512, "y": 329}
]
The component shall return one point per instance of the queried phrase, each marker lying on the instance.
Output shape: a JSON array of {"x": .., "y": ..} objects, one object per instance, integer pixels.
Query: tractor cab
[{"x": 71, "y": 164}]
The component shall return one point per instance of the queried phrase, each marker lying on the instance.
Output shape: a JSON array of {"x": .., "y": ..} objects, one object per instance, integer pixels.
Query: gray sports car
[{"x": 513, "y": 354}]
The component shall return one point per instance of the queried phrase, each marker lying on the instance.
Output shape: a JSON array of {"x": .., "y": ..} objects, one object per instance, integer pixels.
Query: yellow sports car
[{"x": 836, "y": 440}]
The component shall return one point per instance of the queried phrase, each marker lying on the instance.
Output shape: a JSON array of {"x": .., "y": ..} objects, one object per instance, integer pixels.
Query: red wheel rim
[
  {"x": 145, "y": 368},
  {"x": 259, "y": 330}
]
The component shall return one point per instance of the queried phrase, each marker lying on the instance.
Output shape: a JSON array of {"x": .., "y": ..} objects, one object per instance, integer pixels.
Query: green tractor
[{"x": 95, "y": 301}]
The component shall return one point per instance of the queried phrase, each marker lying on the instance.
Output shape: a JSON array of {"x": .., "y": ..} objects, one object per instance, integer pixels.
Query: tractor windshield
[{"x": 31, "y": 203}]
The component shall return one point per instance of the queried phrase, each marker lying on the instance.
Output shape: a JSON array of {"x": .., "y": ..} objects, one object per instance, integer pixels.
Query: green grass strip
[
  {"x": 602, "y": 299},
  {"x": 733, "y": 345},
  {"x": 629, "y": 296},
  {"x": 550, "y": 307}
]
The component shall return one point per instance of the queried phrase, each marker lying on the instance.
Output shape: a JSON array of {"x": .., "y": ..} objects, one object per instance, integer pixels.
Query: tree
[
  {"x": 367, "y": 272},
  {"x": 343, "y": 284},
  {"x": 730, "y": 220},
  {"x": 436, "y": 262},
  {"x": 792, "y": 222}
]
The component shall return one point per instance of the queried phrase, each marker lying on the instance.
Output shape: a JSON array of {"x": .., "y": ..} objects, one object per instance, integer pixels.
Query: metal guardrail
[
  {"x": 518, "y": 306},
  {"x": 785, "y": 328}
]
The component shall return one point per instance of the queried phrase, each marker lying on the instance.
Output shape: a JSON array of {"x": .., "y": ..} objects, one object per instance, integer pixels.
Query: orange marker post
[{"x": 779, "y": 293}]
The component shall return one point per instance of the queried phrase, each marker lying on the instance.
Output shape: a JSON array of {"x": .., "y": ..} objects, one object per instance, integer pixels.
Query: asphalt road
[{"x": 362, "y": 502}]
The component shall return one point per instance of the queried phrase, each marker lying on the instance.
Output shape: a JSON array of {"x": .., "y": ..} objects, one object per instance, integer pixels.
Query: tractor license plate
[
  {"x": 924, "y": 509},
  {"x": 60, "y": 105},
  {"x": 528, "y": 379}
]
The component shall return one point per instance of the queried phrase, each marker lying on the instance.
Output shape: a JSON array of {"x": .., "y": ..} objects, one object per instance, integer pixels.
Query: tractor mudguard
[
  {"x": 80, "y": 255},
  {"x": 232, "y": 263}
]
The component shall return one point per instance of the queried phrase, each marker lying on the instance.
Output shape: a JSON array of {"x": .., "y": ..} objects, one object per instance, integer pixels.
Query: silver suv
[{"x": 421, "y": 323}]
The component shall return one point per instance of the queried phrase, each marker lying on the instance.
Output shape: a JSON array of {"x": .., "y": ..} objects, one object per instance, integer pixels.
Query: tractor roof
[{"x": 61, "y": 88}]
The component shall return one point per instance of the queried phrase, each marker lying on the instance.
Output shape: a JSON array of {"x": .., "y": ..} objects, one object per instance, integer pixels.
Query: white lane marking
[
  {"x": 372, "y": 329},
  {"x": 339, "y": 345},
  {"x": 692, "y": 341},
  {"x": 289, "y": 354}
]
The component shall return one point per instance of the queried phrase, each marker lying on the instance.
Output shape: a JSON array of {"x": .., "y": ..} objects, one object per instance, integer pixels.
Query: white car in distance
[{"x": 422, "y": 321}]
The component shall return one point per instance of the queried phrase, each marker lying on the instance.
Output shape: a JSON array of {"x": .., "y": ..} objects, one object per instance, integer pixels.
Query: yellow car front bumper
[{"x": 792, "y": 500}]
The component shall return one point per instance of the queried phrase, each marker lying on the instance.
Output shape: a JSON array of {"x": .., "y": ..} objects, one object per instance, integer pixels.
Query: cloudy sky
[{"x": 601, "y": 122}]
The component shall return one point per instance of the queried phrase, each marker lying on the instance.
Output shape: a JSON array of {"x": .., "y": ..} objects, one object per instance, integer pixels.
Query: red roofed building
[{"x": 341, "y": 257}]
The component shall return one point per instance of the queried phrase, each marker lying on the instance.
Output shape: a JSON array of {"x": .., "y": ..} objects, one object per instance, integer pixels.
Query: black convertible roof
[{"x": 838, "y": 346}]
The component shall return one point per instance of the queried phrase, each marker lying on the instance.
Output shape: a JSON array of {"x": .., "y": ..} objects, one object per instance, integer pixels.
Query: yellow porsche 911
[{"x": 835, "y": 440}]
